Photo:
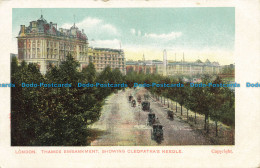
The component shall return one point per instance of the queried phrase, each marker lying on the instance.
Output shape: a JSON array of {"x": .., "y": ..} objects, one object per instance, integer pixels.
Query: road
[{"x": 123, "y": 125}]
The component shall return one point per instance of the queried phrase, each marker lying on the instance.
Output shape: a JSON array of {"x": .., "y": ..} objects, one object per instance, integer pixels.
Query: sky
[{"x": 197, "y": 33}]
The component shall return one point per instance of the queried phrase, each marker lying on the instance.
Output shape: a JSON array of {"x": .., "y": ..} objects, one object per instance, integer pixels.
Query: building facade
[
  {"x": 42, "y": 43},
  {"x": 147, "y": 67},
  {"x": 103, "y": 57},
  {"x": 190, "y": 68},
  {"x": 174, "y": 68}
]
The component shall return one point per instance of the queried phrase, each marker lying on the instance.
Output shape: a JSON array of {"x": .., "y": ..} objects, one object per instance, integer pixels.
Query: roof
[
  {"x": 131, "y": 63},
  {"x": 194, "y": 63},
  {"x": 41, "y": 26},
  {"x": 108, "y": 49}
]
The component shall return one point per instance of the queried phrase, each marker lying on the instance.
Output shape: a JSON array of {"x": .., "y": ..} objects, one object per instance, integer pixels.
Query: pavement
[{"x": 123, "y": 125}]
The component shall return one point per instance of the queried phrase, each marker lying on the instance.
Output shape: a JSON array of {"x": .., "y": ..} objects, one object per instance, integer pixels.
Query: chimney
[
  {"x": 82, "y": 31},
  {"x": 55, "y": 25},
  {"x": 22, "y": 30},
  {"x": 33, "y": 24}
]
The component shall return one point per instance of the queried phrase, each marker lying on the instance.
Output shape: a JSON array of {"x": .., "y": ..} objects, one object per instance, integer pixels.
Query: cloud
[
  {"x": 115, "y": 43},
  {"x": 168, "y": 37},
  {"x": 111, "y": 29},
  {"x": 87, "y": 22},
  {"x": 95, "y": 28},
  {"x": 139, "y": 33},
  {"x": 135, "y": 32},
  {"x": 132, "y": 31}
]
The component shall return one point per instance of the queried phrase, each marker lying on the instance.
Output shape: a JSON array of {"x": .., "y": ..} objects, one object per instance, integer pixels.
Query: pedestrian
[{"x": 157, "y": 121}]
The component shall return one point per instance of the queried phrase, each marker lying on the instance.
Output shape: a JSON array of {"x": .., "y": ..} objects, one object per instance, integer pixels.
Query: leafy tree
[
  {"x": 188, "y": 102},
  {"x": 216, "y": 102},
  {"x": 116, "y": 77},
  {"x": 90, "y": 73},
  {"x": 181, "y": 95},
  {"x": 104, "y": 78},
  {"x": 26, "y": 103},
  {"x": 52, "y": 116}
]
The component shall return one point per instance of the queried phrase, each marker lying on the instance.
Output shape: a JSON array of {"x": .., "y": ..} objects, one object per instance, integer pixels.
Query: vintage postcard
[{"x": 130, "y": 84}]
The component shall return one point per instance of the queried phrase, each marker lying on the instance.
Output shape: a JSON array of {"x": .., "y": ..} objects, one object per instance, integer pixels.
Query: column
[
  {"x": 31, "y": 49},
  {"x": 36, "y": 48}
]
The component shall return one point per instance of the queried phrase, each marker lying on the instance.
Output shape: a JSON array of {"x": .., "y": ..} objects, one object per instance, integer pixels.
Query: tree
[
  {"x": 194, "y": 101},
  {"x": 104, "y": 78},
  {"x": 181, "y": 95},
  {"x": 117, "y": 76},
  {"x": 216, "y": 102},
  {"x": 206, "y": 100},
  {"x": 69, "y": 71},
  {"x": 222, "y": 104},
  {"x": 14, "y": 65},
  {"x": 188, "y": 102},
  {"x": 90, "y": 73},
  {"x": 148, "y": 70},
  {"x": 26, "y": 103},
  {"x": 47, "y": 115},
  {"x": 173, "y": 92}
]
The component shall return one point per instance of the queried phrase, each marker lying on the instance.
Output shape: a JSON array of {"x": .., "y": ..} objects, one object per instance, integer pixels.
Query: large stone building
[
  {"x": 145, "y": 66},
  {"x": 103, "y": 57},
  {"x": 42, "y": 43},
  {"x": 174, "y": 68},
  {"x": 198, "y": 67}
]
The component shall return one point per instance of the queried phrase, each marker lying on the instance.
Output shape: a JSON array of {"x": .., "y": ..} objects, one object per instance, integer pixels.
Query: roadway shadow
[{"x": 95, "y": 134}]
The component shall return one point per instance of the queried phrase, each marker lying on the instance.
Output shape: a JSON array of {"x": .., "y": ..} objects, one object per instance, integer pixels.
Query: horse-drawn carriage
[
  {"x": 133, "y": 103},
  {"x": 146, "y": 96},
  {"x": 146, "y": 106},
  {"x": 157, "y": 132},
  {"x": 139, "y": 99},
  {"x": 151, "y": 119},
  {"x": 130, "y": 97},
  {"x": 170, "y": 114}
]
